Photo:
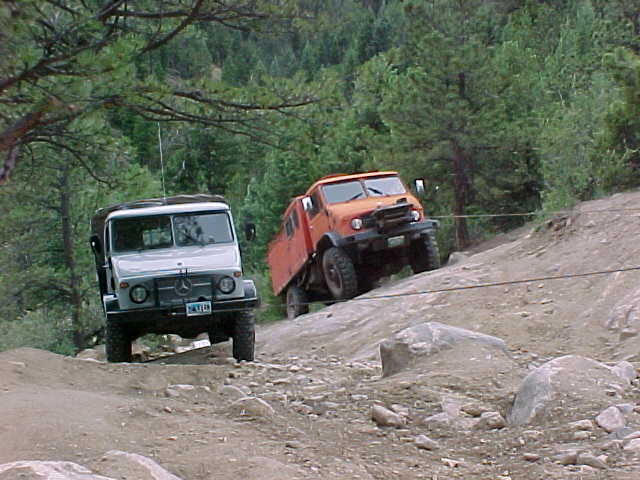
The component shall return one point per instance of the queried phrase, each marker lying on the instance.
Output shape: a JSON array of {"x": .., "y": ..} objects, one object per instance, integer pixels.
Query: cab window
[{"x": 316, "y": 204}]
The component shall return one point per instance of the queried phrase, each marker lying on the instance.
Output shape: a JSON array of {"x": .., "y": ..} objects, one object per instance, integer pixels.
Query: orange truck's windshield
[{"x": 355, "y": 189}]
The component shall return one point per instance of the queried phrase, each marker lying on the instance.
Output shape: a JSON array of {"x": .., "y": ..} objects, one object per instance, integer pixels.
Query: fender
[
  {"x": 328, "y": 240},
  {"x": 250, "y": 291}
]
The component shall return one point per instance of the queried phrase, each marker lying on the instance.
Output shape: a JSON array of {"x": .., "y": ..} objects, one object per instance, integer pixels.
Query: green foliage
[
  {"x": 569, "y": 145},
  {"x": 42, "y": 329},
  {"x": 503, "y": 106},
  {"x": 621, "y": 139}
]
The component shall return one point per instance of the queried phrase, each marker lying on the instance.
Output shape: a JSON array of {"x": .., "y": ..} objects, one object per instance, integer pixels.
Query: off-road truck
[
  {"x": 346, "y": 233},
  {"x": 172, "y": 265}
]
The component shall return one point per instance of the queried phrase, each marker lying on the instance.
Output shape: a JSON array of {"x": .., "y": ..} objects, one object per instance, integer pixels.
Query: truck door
[
  {"x": 317, "y": 218},
  {"x": 297, "y": 249}
]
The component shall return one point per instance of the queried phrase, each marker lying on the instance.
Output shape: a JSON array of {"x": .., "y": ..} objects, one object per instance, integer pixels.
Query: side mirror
[
  {"x": 96, "y": 246},
  {"x": 250, "y": 231},
  {"x": 307, "y": 204},
  {"x": 418, "y": 183}
]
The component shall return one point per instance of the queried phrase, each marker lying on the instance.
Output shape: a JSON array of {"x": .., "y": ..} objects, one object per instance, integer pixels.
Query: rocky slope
[{"x": 536, "y": 380}]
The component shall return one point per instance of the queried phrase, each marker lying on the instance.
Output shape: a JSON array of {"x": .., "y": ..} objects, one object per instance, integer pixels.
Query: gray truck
[{"x": 172, "y": 265}]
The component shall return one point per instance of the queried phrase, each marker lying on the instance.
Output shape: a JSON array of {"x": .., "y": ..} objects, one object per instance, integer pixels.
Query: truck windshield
[
  {"x": 202, "y": 229},
  {"x": 142, "y": 233},
  {"x": 377, "y": 187},
  {"x": 148, "y": 233},
  {"x": 343, "y": 191}
]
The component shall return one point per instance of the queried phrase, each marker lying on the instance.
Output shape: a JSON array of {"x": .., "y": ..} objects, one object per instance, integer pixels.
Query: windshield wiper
[
  {"x": 357, "y": 195},
  {"x": 375, "y": 190}
]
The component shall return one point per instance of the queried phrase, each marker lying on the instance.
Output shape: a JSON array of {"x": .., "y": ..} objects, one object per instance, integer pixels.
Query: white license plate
[
  {"x": 395, "y": 241},
  {"x": 198, "y": 308}
]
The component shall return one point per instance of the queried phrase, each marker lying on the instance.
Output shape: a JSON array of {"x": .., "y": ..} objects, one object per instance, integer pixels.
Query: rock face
[
  {"x": 571, "y": 379},
  {"x": 423, "y": 340},
  {"x": 625, "y": 315}
]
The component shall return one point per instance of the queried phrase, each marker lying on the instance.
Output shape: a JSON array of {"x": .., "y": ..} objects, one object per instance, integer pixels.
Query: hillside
[{"x": 316, "y": 405}]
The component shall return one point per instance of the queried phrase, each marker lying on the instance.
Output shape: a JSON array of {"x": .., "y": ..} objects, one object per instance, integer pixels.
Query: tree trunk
[
  {"x": 461, "y": 187},
  {"x": 70, "y": 260}
]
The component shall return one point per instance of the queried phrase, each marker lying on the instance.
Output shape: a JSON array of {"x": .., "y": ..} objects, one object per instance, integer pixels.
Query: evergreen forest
[{"x": 502, "y": 106}]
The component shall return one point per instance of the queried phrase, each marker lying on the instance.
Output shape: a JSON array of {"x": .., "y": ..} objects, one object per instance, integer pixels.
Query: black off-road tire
[
  {"x": 244, "y": 336},
  {"x": 117, "y": 342},
  {"x": 424, "y": 254},
  {"x": 339, "y": 274},
  {"x": 297, "y": 302}
]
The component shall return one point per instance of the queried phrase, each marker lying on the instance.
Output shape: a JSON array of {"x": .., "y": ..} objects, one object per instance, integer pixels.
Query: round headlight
[
  {"x": 415, "y": 214},
  {"x": 139, "y": 294},
  {"x": 356, "y": 223},
  {"x": 227, "y": 284}
]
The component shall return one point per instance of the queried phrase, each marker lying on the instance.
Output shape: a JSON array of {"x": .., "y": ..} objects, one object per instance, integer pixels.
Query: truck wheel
[
  {"x": 118, "y": 342},
  {"x": 244, "y": 336},
  {"x": 296, "y": 302},
  {"x": 339, "y": 274},
  {"x": 424, "y": 254}
]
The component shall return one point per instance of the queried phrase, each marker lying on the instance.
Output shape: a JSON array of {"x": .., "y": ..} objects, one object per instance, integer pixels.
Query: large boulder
[
  {"x": 426, "y": 339},
  {"x": 562, "y": 388},
  {"x": 115, "y": 464},
  {"x": 38, "y": 470}
]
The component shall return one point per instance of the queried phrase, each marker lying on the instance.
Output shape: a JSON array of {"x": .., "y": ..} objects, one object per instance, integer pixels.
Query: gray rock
[
  {"x": 568, "y": 457},
  {"x": 560, "y": 382},
  {"x": 581, "y": 425},
  {"x": 48, "y": 471},
  {"x": 428, "y": 339},
  {"x": 633, "y": 445},
  {"x": 632, "y": 435},
  {"x": 116, "y": 464},
  {"x": 490, "y": 421},
  {"x": 621, "y": 433},
  {"x": 591, "y": 461},
  {"x": 625, "y": 315},
  {"x": 385, "y": 417},
  {"x": 252, "y": 406},
  {"x": 626, "y": 371},
  {"x": 438, "y": 420},
  {"x": 581, "y": 435},
  {"x": 474, "y": 410},
  {"x": 611, "y": 419},
  {"x": 425, "y": 443},
  {"x": 231, "y": 391},
  {"x": 626, "y": 408},
  {"x": 457, "y": 257}
]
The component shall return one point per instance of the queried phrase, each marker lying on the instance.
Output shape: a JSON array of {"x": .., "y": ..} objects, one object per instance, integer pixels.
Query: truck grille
[
  {"x": 386, "y": 218},
  {"x": 179, "y": 289}
]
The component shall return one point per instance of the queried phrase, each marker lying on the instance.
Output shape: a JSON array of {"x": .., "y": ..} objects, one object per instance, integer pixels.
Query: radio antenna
[{"x": 164, "y": 192}]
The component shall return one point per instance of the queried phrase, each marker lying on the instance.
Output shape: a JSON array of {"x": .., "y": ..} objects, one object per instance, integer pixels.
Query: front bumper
[
  {"x": 178, "y": 312},
  {"x": 375, "y": 241}
]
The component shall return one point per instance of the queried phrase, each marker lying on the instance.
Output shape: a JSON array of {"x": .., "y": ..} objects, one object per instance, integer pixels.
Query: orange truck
[{"x": 346, "y": 233}]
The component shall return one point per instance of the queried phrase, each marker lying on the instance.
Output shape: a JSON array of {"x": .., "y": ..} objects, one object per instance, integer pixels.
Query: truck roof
[
  {"x": 168, "y": 209},
  {"x": 345, "y": 177},
  {"x": 173, "y": 204}
]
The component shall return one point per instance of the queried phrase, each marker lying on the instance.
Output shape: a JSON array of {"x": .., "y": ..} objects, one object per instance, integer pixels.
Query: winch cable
[{"x": 473, "y": 287}]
